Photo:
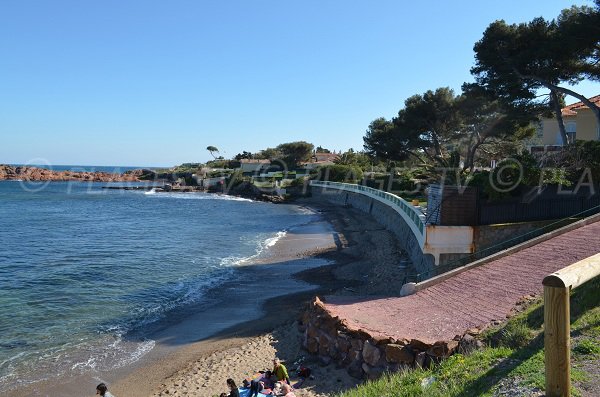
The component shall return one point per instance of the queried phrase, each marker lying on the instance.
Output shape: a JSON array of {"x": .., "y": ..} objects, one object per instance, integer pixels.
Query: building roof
[
  {"x": 254, "y": 161},
  {"x": 571, "y": 110},
  {"x": 326, "y": 156}
]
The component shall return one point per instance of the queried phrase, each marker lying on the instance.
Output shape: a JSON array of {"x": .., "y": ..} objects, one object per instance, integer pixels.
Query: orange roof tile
[{"x": 571, "y": 110}]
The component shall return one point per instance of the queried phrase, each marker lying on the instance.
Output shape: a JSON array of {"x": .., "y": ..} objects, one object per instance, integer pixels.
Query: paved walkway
[{"x": 470, "y": 299}]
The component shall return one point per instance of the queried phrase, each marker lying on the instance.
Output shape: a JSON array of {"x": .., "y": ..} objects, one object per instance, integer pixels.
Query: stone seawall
[
  {"x": 368, "y": 356},
  {"x": 384, "y": 215}
]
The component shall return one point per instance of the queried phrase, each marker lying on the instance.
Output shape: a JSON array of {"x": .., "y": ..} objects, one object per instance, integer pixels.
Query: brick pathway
[{"x": 470, "y": 299}]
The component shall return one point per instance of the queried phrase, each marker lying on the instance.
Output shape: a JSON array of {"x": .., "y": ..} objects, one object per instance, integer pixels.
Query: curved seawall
[{"x": 393, "y": 215}]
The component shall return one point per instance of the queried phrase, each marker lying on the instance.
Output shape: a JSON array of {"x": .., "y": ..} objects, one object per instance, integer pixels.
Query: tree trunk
[
  {"x": 593, "y": 107},
  {"x": 555, "y": 88},
  {"x": 558, "y": 112}
]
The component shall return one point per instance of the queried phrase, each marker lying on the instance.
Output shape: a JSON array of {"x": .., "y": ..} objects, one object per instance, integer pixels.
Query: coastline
[
  {"x": 333, "y": 254},
  {"x": 363, "y": 249}
]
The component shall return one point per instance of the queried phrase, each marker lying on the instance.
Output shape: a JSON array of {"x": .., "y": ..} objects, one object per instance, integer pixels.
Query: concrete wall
[{"x": 383, "y": 214}]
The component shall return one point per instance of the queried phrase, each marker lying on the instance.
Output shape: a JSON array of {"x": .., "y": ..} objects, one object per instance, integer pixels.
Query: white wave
[
  {"x": 261, "y": 246},
  {"x": 273, "y": 240},
  {"x": 152, "y": 191},
  {"x": 196, "y": 196}
]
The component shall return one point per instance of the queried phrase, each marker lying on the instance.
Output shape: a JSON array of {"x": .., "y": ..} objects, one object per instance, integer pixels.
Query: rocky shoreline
[{"x": 35, "y": 174}]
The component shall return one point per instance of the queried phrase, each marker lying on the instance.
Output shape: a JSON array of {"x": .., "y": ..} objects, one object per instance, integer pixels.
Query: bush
[
  {"x": 588, "y": 347},
  {"x": 402, "y": 182},
  {"x": 338, "y": 173},
  {"x": 235, "y": 179}
]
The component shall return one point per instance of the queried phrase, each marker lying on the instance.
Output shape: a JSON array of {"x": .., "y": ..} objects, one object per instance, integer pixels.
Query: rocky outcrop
[
  {"x": 251, "y": 191},
  {"x": 8, "y": 172},
  {"x": 368, "y": 356}
]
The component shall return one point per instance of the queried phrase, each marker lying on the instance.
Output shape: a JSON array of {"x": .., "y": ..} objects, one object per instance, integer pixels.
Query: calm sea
[{"x": 82, "y": 268}]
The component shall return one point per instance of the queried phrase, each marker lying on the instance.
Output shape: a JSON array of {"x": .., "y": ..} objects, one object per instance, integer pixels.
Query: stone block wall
[{"x": 368, "y": 356}]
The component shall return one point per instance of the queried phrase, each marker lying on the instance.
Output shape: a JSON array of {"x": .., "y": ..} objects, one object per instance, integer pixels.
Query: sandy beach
[
  {"x": 365, "y": 260},
  {"x": 342, "y": 251}
]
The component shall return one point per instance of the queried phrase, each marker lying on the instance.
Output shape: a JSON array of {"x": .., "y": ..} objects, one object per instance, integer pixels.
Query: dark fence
[
  {"x": 452, "y": 206},
  {"x": 538, "y": 210}
]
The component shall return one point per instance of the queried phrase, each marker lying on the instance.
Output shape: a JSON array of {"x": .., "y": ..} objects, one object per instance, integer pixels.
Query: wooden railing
[{"x": 557, "y": 326}]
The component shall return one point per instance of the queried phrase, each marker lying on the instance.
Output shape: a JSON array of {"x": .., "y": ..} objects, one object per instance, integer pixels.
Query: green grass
[{"x": 514, "y": 355}]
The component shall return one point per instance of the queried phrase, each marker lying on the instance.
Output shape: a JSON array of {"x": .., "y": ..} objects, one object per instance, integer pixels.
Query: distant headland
[{"x": 27, "y": 173}]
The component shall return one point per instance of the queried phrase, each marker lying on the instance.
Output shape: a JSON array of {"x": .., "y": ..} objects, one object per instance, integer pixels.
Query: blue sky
[{"x": 152, "y": 83}]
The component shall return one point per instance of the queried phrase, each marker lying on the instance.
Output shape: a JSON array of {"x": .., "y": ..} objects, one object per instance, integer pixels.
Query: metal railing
[{"x": 414, "y": 217}]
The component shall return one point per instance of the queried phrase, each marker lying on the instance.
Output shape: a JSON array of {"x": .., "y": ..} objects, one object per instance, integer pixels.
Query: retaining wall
[
  {"x": 384, "y": 215},
  {"x": 368, "y": 356}
]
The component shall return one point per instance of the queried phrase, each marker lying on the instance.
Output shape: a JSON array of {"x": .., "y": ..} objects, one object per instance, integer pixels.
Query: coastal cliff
[{"x": 9, "y": 172}]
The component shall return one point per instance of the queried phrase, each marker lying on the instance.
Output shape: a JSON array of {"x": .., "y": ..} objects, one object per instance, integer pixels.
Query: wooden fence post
[{"x": 557, "y": 342}]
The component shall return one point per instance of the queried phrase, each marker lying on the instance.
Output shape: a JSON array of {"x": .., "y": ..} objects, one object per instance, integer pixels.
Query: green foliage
[
  {"x": 511, "y": 175},
  {"x": 587, "y": 347},
  {"x": 221, "y": 163},
  {"x": 294, "y": 153},
  {"x": 320, "y": 149},
  {"x": 301, "y": 181},
  {"x": 216, "y": 174},
  {"x": 338, "y": 173},
  {"x": 422, "y": 129},
  {"x": 267, "y": 154},
  {"x": 244, "y": 155},
  {"x": 481, "y": 373},
  {"x": 358, "y": 159},
  {"x": 516, "y": 61},
  {"x": 515, "y": 335},
  {"x": 584, "y": 155},
  {"x": 212, "y": 150},
  {"x": 234, "y": 179},
  {"x": 399, "y": 181}
]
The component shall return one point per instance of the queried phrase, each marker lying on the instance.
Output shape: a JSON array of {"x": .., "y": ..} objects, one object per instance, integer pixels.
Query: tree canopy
[
  {"x": 294, "y": 153},
  {"x": 515, "y": 61},
  {"x": 423, "y": 128},
  {"x": 212, "y": 150}
]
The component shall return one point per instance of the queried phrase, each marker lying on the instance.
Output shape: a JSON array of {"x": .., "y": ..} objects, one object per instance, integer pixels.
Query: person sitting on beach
[
  {"x": 261, "y": 383},
  {"x": 287, "y": 390},
  {"x": 282, "y": 389},
  {"x": 102, "y": 390},
  {"x": 280, "y": 371},
  {"x": 233, "y": 389}
]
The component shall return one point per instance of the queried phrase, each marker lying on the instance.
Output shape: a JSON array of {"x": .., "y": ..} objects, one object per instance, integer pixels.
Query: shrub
[
  {"x": 588, "y": 346},
  {"x": 338, "y": 173}
]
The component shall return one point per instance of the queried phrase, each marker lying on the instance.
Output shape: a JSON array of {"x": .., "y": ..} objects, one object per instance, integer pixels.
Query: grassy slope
[{"x": 513, "y": 361}]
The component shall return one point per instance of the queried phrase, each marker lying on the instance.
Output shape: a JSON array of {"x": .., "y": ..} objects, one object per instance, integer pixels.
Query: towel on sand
[{"x": 246, "y": 392}]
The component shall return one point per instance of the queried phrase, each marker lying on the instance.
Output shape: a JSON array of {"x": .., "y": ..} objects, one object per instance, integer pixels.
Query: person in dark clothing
[{"x": 233, "y": 389}]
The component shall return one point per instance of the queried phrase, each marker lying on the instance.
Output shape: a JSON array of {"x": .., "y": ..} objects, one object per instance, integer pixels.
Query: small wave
[
  {"x": 273, "y": 240},
  {"x": 197, "y": 196},
  {"x": 261, "y": 246}
]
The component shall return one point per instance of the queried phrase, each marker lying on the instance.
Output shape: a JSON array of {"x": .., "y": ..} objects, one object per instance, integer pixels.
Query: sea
[{"x": 85, "y": 271}]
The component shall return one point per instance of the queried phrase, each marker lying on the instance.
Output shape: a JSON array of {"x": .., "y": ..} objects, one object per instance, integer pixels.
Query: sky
[{"x": 153, "y": 83}]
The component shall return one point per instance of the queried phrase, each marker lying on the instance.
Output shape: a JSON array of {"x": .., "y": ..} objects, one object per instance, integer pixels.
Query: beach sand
[
  {"x": 367, "y": 260},
  {"x": 343, "y": 251}
]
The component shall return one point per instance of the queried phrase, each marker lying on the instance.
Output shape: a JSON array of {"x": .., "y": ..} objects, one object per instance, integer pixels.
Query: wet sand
[{"x": 344, "y": 252}]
